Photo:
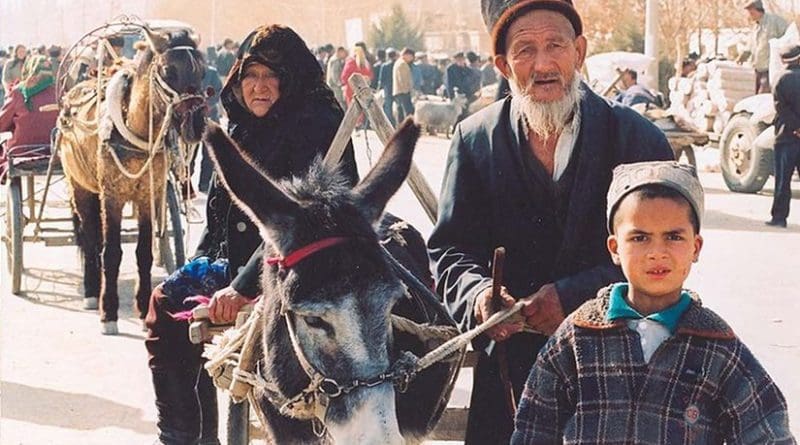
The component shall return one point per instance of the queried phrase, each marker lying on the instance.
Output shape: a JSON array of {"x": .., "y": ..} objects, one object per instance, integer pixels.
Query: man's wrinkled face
[{"x": 542, "y": 55}]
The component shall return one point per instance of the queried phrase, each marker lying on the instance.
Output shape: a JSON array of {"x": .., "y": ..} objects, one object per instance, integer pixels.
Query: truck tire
[{"x": 745, "y": 167}]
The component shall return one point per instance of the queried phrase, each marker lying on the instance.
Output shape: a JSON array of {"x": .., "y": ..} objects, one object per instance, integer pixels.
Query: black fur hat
[{"x": 499, "y": 14}]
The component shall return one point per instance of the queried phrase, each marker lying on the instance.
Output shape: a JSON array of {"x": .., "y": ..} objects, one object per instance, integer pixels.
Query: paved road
[{"x": 62, "y": 382}]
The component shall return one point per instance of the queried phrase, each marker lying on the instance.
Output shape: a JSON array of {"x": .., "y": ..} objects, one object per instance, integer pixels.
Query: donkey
[
  {"x": 329, "y": 291},
  {"x": 169, "y": 73}
]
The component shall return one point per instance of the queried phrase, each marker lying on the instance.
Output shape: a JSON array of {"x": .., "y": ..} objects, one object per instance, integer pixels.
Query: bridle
[
  {"x": 312, "y": 402},
  {"x": 165, "y": 92}
]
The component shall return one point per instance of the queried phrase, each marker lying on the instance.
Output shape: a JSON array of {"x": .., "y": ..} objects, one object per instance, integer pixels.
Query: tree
[{"x": 396, "y": 31}]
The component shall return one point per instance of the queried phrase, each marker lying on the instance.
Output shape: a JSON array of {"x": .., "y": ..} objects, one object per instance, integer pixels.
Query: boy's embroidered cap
[{"x": 679, "y": 177}]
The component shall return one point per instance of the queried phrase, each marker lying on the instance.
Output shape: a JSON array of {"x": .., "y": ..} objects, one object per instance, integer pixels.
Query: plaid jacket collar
[{"x": 695, "y": 321}]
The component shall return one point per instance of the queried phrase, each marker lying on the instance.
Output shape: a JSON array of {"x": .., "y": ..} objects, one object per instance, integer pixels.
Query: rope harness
[{"x": 233, "y": 350}]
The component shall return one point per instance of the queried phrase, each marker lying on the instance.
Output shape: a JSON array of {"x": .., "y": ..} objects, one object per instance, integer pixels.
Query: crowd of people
[{"x": 403, "y": 74}]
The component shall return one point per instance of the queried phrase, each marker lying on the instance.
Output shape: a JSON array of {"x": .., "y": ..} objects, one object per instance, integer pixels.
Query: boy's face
[{"x": 655, "y": 244}]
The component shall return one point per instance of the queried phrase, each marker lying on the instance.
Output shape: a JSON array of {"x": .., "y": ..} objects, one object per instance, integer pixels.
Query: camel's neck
[{"x": 138, "y": 117}]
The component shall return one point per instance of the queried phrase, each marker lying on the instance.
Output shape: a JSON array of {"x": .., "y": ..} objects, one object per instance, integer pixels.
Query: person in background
[
  {"x": 386, "y": 83},
  {"x": 765, "y": 26},
  {"x": 787, "y": 135},
  {"x": 333, "y": 75},
  {"x": 456, "y": 75},
  {"x": 225, "y": 58},
  {"x": 488, "y": 73},
  {"x": 12, "y": 70},
  {"x": 21, "y": 114},
  {"x": 54, "y": 53},
  {"x": 356, "y": 64},
  {"x": 530, "y": 173},
  {"x": 431, "y": 76},
  {"x": 370, "y": 57},
  {"x": 473, "y": 83},
  {"x": 376, "y": 67},
  {"x": 403, "y": 84},
  {"x": 213, "y": 86},
  {"x": 633, "y": 93}
]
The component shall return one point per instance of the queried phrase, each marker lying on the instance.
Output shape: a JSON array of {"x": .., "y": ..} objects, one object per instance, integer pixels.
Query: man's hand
[
  {"x": 485, "y": 307},
  {"x": 542, "y": 311},
  {"x": 225, "y": 304},
  {"x": 797, "y": 133}
]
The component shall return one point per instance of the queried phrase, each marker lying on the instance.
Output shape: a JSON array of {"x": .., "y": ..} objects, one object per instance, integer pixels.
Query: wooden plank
[
  {"x": 452, "y": 425},
  {"x": 339, "y": 144},
  {"x": 380, "y": 123}
]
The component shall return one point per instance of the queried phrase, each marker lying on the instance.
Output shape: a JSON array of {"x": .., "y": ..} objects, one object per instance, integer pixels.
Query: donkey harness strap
[{"x": 304, "y": 252}]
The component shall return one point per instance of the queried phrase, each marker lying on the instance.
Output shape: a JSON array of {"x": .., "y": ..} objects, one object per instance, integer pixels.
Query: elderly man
[
  {"x": 530, "y": 173},
  {"x": 765, "y": 27}
]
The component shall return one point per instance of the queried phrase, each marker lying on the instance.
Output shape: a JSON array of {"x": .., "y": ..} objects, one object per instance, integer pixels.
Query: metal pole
[{"x": 651, "y": 41}]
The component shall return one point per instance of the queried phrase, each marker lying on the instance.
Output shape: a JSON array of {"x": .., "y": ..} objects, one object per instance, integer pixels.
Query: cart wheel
[
  {"x": 172, "y": 255},
  {"x": 14, "y": 231}
]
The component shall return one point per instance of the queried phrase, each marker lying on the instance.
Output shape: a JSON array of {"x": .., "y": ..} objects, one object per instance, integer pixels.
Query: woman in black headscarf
[{"x": 281, "y": 112}]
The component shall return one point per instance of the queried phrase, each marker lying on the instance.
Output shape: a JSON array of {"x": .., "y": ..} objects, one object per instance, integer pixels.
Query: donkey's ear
[
  {"x": 252, "y": 191},
  {"x": 388, "y": 175}
]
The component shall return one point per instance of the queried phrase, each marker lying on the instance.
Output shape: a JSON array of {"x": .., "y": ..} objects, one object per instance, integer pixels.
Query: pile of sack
[{"x": 705, "y": 100}]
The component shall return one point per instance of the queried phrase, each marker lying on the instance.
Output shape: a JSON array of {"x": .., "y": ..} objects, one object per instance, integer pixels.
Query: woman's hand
[{"x": 225, "y": 304}]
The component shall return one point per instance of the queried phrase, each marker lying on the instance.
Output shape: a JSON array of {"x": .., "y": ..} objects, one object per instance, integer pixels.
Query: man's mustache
[{"x": 545, "y": 77}]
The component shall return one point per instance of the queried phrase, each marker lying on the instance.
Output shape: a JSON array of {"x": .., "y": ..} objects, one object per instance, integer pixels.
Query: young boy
[{"x": 645, "y": 362}]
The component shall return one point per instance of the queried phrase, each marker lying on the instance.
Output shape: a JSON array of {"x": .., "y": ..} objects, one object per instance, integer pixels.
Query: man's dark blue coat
[{"x": 495, "y": 193}]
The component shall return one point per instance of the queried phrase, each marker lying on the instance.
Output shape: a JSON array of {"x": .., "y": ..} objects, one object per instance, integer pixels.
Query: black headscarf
[{"x": 284, "y": 52}]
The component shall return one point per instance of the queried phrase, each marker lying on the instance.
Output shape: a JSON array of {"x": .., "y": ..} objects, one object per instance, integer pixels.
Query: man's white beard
[{"x": 547, "y": 119}]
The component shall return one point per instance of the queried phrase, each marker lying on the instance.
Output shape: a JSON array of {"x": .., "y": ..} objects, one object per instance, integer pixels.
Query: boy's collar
[
  {"x": 696, "y": 320},
  {"x": 618, "y": 307}
]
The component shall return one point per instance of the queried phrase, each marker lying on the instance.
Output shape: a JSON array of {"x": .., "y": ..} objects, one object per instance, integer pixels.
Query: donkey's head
[
  {"x": 329, "y": 290},
  {"x": 177, "y": 69}
]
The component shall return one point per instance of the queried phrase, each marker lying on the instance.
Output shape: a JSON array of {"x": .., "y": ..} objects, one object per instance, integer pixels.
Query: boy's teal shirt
[{"x": 618, "y": 307}]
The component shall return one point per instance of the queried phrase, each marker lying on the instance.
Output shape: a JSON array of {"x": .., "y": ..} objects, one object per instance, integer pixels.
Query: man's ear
[
  {"x": 613, "y": 248},
  {"x": 698, "y": 246},
  {"x": 501, "y": 63},
  {"x": 581, "y": 46}
]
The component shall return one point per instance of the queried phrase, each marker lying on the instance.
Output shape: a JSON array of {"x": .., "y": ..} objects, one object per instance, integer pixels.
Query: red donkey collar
[{"x": 304, "y": 252}]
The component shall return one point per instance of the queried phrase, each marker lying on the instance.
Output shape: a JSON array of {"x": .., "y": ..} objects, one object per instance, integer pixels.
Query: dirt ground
[{"x": 62, "y": 382}]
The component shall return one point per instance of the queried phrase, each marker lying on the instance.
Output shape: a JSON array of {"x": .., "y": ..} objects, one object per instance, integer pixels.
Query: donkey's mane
[{"x": 327, "y": 185}]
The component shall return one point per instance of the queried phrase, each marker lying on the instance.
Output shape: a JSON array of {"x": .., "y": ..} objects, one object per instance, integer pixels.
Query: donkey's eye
[{"x": 316, "y": 322}]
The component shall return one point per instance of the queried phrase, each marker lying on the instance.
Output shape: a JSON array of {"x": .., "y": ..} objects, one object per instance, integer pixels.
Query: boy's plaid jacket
[{"x": 591, "y": 385}]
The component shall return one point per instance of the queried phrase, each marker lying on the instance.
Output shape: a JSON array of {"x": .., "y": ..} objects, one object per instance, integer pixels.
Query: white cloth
[
  {"x": 651, "y": 335},
  {"x": 565, "y": 145}
]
